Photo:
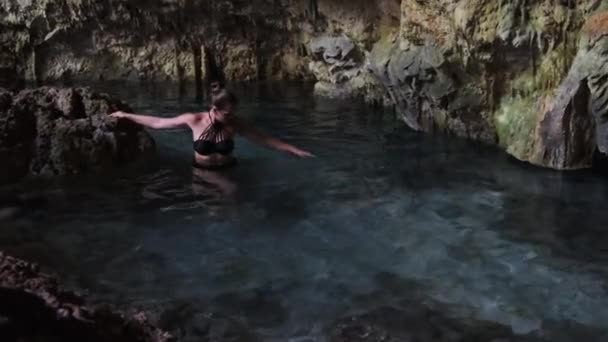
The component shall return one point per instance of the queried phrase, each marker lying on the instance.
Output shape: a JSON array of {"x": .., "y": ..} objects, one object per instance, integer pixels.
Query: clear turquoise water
[{"x": 288, "y": 245}]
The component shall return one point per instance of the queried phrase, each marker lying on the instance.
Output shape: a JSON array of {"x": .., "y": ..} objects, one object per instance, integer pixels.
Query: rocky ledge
[
  {"x": 526, "y": 75},
  {"x": 36, "y": 308},
  {"x": 60, "y": 131},
  {"x": 417, "y": 323}
]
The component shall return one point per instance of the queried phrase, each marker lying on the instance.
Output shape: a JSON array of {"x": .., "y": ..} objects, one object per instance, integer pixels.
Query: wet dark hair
[
  {"x": 220, "y": 97},
  {"x": 216, "y": 86}
]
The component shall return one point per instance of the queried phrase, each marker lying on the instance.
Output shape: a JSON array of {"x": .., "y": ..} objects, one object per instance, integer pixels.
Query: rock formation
[
  {"x": 518, "y": 74},
  {"x": 35, "y": 307},
  {"x": 526, "y": 75},
  {"x": 177, "y": 39},
  {"x": 61, "y": 131},
  {"x": 417, "y": 323}
]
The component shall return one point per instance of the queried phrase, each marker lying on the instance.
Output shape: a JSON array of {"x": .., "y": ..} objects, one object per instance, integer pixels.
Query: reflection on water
[{"x": 382, "y": 216}]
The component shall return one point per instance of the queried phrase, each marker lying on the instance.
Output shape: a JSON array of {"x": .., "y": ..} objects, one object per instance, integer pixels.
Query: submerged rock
[
  {"x": 36, "y": 308},
  {"x": 61, "y": 131},
  {"x": 416, "y": 323},
  {"x": 191, "y": 322}
]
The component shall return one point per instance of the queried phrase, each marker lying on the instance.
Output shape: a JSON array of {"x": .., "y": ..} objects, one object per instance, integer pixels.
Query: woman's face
[{"x": 225, "y": 112}]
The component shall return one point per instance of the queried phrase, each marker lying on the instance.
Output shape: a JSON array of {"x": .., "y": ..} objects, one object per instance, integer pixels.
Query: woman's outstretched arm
[
  {"x": 251, "y": 133},
  {"x": 155, "y": 122}
]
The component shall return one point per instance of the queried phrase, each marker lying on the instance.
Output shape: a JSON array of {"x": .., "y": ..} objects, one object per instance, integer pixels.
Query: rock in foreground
[
  {"x": 61, "y": 131},
  {"x": 36, "y": 308}
]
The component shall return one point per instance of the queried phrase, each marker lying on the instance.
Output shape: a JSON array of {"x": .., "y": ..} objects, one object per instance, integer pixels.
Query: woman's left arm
[
  {"x": 248, "y": 131},
  {"x": 157, "y": 122}
]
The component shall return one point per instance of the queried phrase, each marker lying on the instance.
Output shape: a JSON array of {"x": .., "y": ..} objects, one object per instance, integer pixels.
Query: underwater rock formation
[
  {"x": 61, "y": 131},
  {"x": 417, "y": 323},
  {"x": 35, "y": 307},
  {"x": 512, "y": 73}
]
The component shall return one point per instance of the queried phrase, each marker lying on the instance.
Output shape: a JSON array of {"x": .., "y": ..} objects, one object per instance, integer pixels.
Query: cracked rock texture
[
  {"x": 174, "y": 39},
  {"x": 526, "y": 75},
  {"x": 35, "y": 307},
  {"x": 63, "y": 131}
]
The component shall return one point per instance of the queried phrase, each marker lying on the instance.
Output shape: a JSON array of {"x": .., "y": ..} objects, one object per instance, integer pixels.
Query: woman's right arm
[
  {"x": 155, "y": 122},
  {"x": 255, "y": 135}
]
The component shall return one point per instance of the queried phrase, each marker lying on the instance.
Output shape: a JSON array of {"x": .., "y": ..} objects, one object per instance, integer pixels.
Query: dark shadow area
[{"x": 35, "y": 307}]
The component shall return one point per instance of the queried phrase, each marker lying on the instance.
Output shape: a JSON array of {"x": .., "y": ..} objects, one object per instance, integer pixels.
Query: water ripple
[{"x": 383, "y": 215}]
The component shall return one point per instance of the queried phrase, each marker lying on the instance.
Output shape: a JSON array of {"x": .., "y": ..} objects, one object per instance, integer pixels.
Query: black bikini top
[{"x": 213, "y": 140}]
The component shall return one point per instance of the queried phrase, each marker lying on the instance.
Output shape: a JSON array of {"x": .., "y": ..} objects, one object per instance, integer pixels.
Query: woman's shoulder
[
  {"x": 198, "y": 116},
  {"x": 191, "y": 118}
]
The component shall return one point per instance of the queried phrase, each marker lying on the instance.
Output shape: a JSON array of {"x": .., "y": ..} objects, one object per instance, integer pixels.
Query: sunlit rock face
[
  {"x": 525, "y": 75},
  {"x": 122, "y": 39},
  {"x": 62, "y": 131},
  {"x": 173, "y": 39},
  {"x": 517, "y": 74},
  {"x": 183, "y": 39}
]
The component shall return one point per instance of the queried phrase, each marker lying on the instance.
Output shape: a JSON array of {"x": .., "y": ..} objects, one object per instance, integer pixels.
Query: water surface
[{"x": 290, "y": 245}]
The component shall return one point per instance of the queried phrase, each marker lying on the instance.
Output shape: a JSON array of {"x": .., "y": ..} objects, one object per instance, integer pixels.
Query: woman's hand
[
  {"x": 119, "y": 114},
  {"x": 247, "y": 130},
  {"x": 300, "y": 153}
]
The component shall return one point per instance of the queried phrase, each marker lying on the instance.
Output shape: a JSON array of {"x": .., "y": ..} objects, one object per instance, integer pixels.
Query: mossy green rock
[{"x": 529, "y": 76}]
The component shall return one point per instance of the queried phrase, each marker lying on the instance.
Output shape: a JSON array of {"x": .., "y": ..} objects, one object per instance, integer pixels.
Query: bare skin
[
  {"x": 220, "y": 185},
  {"x": 198, "y": 122}
]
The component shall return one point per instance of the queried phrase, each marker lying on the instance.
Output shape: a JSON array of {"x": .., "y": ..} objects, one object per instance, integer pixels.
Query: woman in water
[{"x": 213, "y": 131}]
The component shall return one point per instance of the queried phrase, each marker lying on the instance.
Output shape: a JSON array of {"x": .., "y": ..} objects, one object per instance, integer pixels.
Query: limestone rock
[
  {"x": 160, "y": 40},
  {"x": 340, "y": 69},
  {"x": 501, "y": 72},
  {"x": 575, "y": 125},
  {"x": 176, "y": 40},
  {"x": 54, "y": 131},
  {"x": 416, "y": 323},
  {"x": 518, "y": 74},
  {"x": 335, "y": 50},
  {"x": 38, "y": 308}
]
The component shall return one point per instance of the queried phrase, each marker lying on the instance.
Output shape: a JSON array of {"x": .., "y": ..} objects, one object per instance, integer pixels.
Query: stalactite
[
  {"x": 34, "y": 66},
  {"x": 179, "y": 69},
  {"x": 212, "y": 68},
  {"x": 256, "y": 45},
  {"x": 532, "y": 52},
  {"x": 198, "y": 54},
  {"x": 314, "y": 10},
  {"x": 522, "y": 12}
]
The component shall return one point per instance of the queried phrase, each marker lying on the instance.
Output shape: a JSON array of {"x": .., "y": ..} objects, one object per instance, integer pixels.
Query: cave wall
[
  {"x": 526, "y": 75},
  {"x": 146, "y": 40},
  {"x": 173, "y": 39}
]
